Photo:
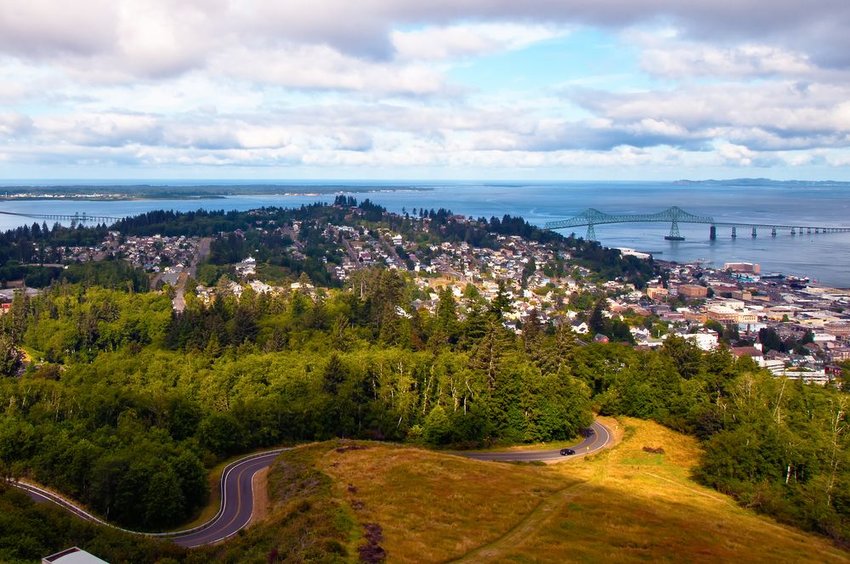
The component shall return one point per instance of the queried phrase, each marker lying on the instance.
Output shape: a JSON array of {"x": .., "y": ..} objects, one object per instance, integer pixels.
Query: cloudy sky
[{"x": 442, "y": 89}]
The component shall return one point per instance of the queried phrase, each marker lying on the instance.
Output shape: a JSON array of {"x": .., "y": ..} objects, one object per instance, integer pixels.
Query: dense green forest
[
  {"x": 125, "y": 404},
  {"x": 134, "y": 402}
]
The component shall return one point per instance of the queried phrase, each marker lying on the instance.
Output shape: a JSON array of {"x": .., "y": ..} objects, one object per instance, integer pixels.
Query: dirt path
[
  {"x": 554, "y": 505},
  {"x": 261, "y": 497},
  {"x": 497, "y": 550}
]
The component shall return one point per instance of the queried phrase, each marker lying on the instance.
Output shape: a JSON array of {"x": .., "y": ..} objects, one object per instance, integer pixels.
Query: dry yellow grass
[
  {"x": 433, "y": 507},
  {"x": 621, "y": 505},
  {"x": 638, "y": 506}
]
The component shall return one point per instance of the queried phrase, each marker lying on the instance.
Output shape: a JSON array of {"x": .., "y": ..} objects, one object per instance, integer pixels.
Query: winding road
[
  {"x": 237, "y": 492},
  {"x": 234, "y": 514},
  {"x": 237, "y": 503},
  {"x": 598, "y": 438}
]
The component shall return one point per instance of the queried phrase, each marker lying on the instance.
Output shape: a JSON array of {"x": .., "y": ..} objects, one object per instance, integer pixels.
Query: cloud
[
  {"x": 687, "y": 60},
  {"x": 14, "y": 125},
  {"x": 99, "y": 130},
  {"x": 458, "y": 41},
  {"x": 156, "y": 38},
  {"x": 381, "y": 83},
  {"x": 737, "y": 155},
  {"x": 769, "y": 115},
  {"x": 312, "y": 67},
  {"x": 43, "y": 28}
]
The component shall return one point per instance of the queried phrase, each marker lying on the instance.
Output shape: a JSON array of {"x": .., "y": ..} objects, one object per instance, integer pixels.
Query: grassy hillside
[
  {"x": 334, "y": 500},
  {"x": 638, "y": 505}
]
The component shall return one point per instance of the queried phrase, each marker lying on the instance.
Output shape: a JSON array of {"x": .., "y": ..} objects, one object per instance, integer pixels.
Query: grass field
[{"x": 624, "y": 504}]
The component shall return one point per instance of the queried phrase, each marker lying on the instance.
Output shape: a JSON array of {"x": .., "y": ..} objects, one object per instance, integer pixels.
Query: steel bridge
[
  {"x": 676, "y": 215},
  {"x": 77, "y": 217}
]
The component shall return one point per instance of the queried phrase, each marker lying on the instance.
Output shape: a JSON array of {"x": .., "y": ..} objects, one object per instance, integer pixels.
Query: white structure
[
  {"x": 705, "y": 340},
  {"x": 72, "y": 556},
  {"x": 824, "y": 338}
]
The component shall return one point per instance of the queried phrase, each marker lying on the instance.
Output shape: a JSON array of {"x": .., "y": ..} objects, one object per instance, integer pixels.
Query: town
[{"x": 785, "y": 325}]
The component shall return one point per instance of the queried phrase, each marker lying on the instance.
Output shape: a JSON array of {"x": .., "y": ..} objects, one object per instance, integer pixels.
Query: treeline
[
  {"x": 38, "y": 243},
  {"x": 32, "y": 531},
  {"x": 108, "y": 274},
  {"x": 780, "y": 446}
]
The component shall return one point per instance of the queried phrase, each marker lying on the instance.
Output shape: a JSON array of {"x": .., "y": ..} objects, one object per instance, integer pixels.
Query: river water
[{"x": 824, "y": 257}]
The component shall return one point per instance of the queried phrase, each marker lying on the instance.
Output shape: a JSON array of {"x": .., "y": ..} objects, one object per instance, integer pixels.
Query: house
[
  {"x": 247, "y": 267},
  {"x": 751, "y": 352},
  {"x": 581, "y": 328}
]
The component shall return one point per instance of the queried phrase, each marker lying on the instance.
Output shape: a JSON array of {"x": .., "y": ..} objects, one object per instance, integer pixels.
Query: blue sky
[{"x": 395, "y": 89}]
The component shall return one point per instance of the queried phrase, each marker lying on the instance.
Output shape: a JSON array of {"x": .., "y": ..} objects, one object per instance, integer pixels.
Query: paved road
[
  {"x": 598, "y": 439},
  {"x": 234, "y": 514},
  {"x": 237, "y": 492},
  {"x": 237, "y": 503},
  {"x": 41, "y": 495}
]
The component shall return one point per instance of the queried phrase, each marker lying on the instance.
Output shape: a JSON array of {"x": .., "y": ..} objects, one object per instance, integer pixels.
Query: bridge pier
[
  {"x": 734, "y": 232},
  {"x": 809, "y": 230},
  {"x": 773, "y": 232},
  {"x": 712, "y": 233},
  {"x": 755, "y": 234}
]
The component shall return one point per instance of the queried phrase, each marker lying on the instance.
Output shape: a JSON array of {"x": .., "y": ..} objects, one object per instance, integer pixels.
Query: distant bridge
[
  {"x": 675, "y": 215},
  {"x": 77, "y": 217}
]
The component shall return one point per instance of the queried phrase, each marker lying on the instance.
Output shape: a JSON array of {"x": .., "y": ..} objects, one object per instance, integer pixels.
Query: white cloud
[
  {"x": 776, "y": 113},
  {"x": 736, "y": 155},
  {"x": 158, "y": 38},
  {"x": 12, "y": 125},
  {"x": 262, "y": 83},
  {"x": 318, "y": 67},
  {"x": 686, "y": 60},
  {"x": 457, "y": 41}
]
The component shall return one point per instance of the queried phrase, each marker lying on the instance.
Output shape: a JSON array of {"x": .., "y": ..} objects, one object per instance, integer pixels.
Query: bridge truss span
[
  {"x": 675, "y": 215},
  {"x": 76, "y": 217}
]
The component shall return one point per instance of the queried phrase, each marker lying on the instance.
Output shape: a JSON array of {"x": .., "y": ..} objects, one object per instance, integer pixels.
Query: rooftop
[{"x": 72, "y": 555}]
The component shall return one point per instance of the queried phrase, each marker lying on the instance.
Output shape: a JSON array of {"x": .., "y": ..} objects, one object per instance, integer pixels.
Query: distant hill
[{"x": 761, "y": 182}]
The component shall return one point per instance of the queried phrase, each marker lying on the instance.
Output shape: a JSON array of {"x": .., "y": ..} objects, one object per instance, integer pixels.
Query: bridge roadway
[
  {"x": 675, "y": 215},
  {"x": 78, "y": 217}
]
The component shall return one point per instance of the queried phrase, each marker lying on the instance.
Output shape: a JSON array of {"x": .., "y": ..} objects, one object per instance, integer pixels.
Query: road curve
[
  {"x": 237, "y": 492},
  {"x": 234, "y": 514},
  {"x": 599, "y": 438},
  {"x": 237, "y": 502}
]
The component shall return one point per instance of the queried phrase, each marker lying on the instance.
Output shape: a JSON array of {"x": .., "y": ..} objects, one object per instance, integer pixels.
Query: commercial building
[
  {"x": 743, "y": 267},
  {"x": 692, "y": 291}
]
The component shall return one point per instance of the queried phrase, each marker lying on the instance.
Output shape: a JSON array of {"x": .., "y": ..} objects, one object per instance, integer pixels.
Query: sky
[{"x": 413, "y": 89}]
